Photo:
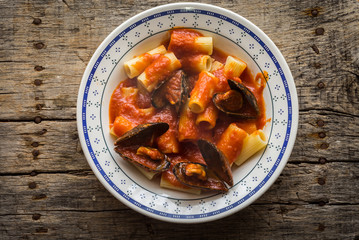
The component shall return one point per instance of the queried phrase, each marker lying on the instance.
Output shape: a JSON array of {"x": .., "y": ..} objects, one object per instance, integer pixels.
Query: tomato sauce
[{"x": 137, "y": 108}]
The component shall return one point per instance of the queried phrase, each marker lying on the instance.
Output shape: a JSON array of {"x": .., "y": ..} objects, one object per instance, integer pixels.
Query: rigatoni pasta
[
  {"x": 137, "y": 65},
  {"x": 208, "y": 117},
  {"x": 195, "y": 95},
  {"x": 231, "y": 142},
  {"x": 158, "y": 71},
  {"x": 196, "y": 64},
  {"x": 251, "y": 145},
  {"x": 234, "y": 67},
  {"x": 202, "y": 92}
]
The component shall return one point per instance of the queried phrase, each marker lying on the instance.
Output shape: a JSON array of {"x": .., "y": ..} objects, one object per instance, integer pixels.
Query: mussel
[
  {"x": 216, "y": 161},
  {"x": 173, "y": 91},
  {"x": 136, "y": 146},
  {"x": 239, "y": 101},
  {"x": 195, "y": 175},
  {"x": 142, "y": 134}
]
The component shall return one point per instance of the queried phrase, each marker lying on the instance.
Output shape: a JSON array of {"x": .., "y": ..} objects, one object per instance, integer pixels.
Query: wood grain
[
  {"x": 299, "y": 184},
  {"x": 48, "y": 190},
  {"x": 255, "y": 222}
]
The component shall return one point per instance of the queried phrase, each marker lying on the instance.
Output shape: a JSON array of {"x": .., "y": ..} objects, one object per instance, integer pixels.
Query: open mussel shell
[
  {"x": 173, "y": 91},
  {"x": 216, "y": 161},
  {"x": 143, "y": 134},
  {"x": 142, "y": 161},
  {"x": 233, "y": 101},
  {"x": 228, "y": 102},
  {"x": 179, "y": 170}
]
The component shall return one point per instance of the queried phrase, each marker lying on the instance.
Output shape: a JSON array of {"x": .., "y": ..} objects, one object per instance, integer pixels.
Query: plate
[{"x": 232, "y": 34}]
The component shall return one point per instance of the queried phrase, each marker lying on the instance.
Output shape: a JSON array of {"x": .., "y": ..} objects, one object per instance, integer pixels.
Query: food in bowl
[{"x": 187, "y": 112}]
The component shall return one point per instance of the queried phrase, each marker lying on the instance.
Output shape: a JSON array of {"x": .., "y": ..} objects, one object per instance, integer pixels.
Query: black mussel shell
[
  {"x": 228, "y": 102},
  {"x": 249, "y": 96},
  {"x": 216, "y": 161},
  {"x": 143, "y": 134},
  {"x": 235, "y": 104},
  {"x": 179, "y": 170},
  {"x": 173, "y": 91}
]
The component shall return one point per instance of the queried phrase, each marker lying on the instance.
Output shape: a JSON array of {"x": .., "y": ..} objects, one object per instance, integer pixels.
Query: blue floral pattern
[{"x": 112, "y": 169}]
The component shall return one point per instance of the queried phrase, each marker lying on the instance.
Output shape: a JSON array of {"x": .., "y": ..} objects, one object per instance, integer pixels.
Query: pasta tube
[
  {"x": 187, "y": 129},
  {"x": 208, "y": 117},
  {"x": 215, "y": 66},
  {"x": 168, "y": 143},
  {"x": 249, "y": 127},
  {"x": 129, "y": 91},
  {"x": 137, "y": 65},
  {"x": 234, "y": 67},
  {"x": 120, "y": 126},
  {"x": 251, "y": 144},
  {"x": 204, "y": 45},
  {"x": 231, "y": 141},
  {"x": 196, "y": 63},
  {"x": 202, "y": 92},
  {"x": 158, "y": 71},
  {"x": 184, "y": 42},
  {"x": 147, "y": 174}
]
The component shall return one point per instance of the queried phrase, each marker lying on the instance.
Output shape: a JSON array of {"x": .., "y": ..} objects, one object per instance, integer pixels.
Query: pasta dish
[{"x": 187, "y": 112}]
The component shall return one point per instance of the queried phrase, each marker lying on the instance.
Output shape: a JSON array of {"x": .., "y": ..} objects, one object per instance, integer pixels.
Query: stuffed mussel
[
  {"x": 196, "y": 175},
  {"x": 239, "y": 101},
  {"x": 212, "y": 176},
  {"x": 136, "y": 146},
  {"x": 173, "y": 91}
]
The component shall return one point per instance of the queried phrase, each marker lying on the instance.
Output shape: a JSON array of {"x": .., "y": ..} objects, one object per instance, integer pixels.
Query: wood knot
[
  {"x": 315, "y": 48},
  {"x": 39, "y": 106},
  {"x": 39, "y": 45},
  {"x": 324, "y": 145},
  {"x": 314, "y": 12},
  {"x": 317, "y": 65},
  {"x": 320, "y": 123},
  {"x": 322, "y": 135},
  {"x": 322, "y": 160},
  {"x": 35, "y": 144},
  {"x": 42, "y": 132},
  {"x": 35, "y": 153},
  {"x": 36, "y": 216},
  {"x": 41, "y": 230},
  {"x": 321, "y": 181},
  {"x": 37, "y": 120},
  {"x": 321, "y": 227},
  {"x": 39, "y": 197},
  {"x": 39, "y": 68},
  {"x": 32, "y": 185},
  {"x": 37, "y": 82},
  {"x": 320, "y": 85},
  {"x": 37, "y": 21},
  {"x": 319, "y": 31}
]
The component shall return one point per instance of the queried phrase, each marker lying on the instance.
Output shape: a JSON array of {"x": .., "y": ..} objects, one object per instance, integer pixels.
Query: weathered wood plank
[
  {"x": 255, "y": 222},
  {"x": 48, "y": 146},
  {"x": 68, "y": 34},
  {"x": 54, "y": 145},
  {"x": 298, "y": 184}
]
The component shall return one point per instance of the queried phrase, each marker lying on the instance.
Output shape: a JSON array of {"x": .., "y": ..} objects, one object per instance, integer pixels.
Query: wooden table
[{"x": 48, "y": 190}]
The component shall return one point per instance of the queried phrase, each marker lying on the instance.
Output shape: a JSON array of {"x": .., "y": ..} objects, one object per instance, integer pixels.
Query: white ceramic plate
[{"x": 232, "y": 34}]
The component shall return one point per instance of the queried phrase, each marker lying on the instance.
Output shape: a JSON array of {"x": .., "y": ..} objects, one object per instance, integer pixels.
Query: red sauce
[
  {"x": 181, "y": 43},
  {"x": 158, "y": 70},
  {"x": 133, "y": 108}
]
